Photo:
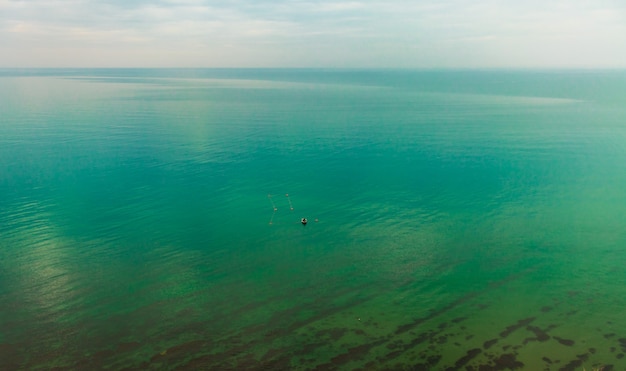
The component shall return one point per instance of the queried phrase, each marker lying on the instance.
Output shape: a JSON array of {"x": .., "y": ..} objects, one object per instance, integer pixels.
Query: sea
[{"x": 150, "y": 219}]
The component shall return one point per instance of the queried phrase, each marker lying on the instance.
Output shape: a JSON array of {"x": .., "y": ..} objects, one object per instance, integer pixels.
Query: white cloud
[{"x": 393, "y": 33}]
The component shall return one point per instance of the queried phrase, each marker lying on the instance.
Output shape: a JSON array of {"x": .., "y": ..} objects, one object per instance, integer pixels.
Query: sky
[{"x": 318, "y": 34}]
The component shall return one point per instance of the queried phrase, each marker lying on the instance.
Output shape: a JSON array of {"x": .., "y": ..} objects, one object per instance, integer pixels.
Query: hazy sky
[{"x": 322, "y": 33}]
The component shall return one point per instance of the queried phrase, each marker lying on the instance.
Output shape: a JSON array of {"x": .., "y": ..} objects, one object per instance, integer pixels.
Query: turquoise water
[{"x": 457, "y": 219}]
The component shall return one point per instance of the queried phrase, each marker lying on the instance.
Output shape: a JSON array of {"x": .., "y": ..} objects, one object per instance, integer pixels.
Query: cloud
[{"x": 366, "y": 33}]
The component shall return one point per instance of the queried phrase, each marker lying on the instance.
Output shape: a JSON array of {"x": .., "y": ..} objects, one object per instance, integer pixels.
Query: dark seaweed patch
[
  {"x": 392, "y": 355},
  {"x": 421, "y": 367},
  {"x": 489, "y": 343},
  {"x": 546, "y": 309},
  {"x": 247, "y": 362},
  {"x": 521, "y": 323},
  {"x": 471, "y": 354},
  {"x": 565, "y": 342},
  {"x": 310, "y": 348},
  {"x": 354, "y": 353},
  {"x": 572, "y": 366},
  {"x": 94, "y": 360},
  {"x": 429, "y": 335},
  {"x": 203, "y": 362},
  {"x": 504, "y": 362},
  {"x": 420, "y": 339},
  {"x": 428, "y": 365},
  {"x": 608, "y": 336},
  {"x": 547, "y": 360},
  {"x": 8, "y": 360},
  {"x": 332, "y": 333},
  {"x": 540, "y": 335},
  {"x": 620, "y": 356},
  {"x": 180, "y": 351},
  {"x": 433, "y": 360},
  {"x": 369, "y": 366},
  {"x": 406, "y": 327},
  {"x": 622, "y": 343},
  {"x": 575, "y": 364}
]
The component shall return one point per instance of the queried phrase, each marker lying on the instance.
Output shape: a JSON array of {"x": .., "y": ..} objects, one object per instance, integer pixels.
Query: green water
[{"x": 457, "y": 219}]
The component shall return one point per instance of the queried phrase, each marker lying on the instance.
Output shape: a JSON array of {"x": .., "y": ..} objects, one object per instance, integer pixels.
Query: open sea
[{"x": 457, "y": 220}]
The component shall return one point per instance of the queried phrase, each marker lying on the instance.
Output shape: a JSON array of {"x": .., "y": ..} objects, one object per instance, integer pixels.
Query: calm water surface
[{"x": 149, "y": 219}]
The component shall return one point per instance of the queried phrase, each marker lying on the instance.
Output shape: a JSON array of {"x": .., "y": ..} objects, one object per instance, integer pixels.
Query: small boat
[{"x": 303, "y": 221}]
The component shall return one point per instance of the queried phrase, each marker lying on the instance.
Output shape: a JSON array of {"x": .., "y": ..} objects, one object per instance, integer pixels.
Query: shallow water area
[{"x": 150, "y": 219}]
